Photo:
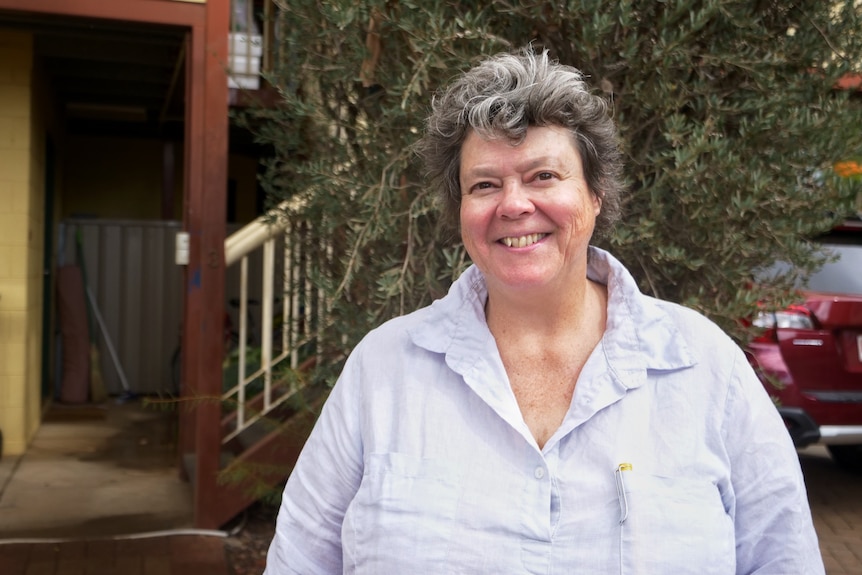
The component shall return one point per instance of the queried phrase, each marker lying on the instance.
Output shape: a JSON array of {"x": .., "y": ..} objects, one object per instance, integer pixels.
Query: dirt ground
[{"x": 246, "y": 550}]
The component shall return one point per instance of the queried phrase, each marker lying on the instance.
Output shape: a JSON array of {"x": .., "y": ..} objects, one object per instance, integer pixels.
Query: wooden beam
[
  {"x": 151, "y": 11},
  {"x": 207, "y": 130},
  {"x": 192, "y": 162}
]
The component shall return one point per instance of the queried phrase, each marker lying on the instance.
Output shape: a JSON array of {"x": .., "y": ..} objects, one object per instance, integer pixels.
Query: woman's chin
[{"x": 525, "y": 280}]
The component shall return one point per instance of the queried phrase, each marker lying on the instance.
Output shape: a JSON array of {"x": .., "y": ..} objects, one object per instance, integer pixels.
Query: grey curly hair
[{"x": 502, "y": 97}]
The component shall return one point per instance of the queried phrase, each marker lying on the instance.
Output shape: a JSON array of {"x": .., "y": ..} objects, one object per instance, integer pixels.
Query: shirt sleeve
[
  {"x": 774, "y": 530},
  {"x": 325, "y": 479}
]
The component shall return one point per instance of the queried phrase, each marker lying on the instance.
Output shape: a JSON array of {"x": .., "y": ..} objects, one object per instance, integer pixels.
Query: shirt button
[{"x": 539, "y": 473}]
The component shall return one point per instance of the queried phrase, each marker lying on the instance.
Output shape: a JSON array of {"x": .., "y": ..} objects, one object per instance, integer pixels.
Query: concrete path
[
  {"x": 98, "y": 493},
  {"x": 96, "y": 472}
]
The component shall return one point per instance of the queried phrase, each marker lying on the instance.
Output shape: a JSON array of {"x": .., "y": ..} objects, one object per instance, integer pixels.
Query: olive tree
[{"x": 727, "y": 110}]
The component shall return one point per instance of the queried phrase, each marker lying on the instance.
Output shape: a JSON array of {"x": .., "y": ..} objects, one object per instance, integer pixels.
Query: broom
[
  {"x": 128, "y": 394},
  {"x": 97, "y": 384}
]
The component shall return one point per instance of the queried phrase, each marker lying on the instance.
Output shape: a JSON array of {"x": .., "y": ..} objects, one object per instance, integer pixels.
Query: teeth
[{"x": 522, "y": 241}]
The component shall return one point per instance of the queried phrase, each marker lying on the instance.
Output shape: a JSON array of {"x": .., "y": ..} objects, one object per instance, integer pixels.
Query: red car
[{"x": 809, "y": 357}]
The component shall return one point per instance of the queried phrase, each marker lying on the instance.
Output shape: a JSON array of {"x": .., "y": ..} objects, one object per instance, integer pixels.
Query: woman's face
[{"x": 527, "y": 214}]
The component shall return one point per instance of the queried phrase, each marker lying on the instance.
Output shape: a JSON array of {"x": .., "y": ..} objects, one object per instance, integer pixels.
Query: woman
[{"x": 544, "y": 416}]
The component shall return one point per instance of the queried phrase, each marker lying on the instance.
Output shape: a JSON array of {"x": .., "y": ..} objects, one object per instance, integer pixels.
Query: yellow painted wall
[{"x": 21, "y": 239}]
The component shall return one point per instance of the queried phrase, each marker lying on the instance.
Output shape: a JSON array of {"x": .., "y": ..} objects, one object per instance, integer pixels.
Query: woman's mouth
[{"x": 522, "y": 241}]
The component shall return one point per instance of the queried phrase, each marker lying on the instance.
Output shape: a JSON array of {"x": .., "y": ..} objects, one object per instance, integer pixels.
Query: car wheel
[{"x": 848, "y": 457}]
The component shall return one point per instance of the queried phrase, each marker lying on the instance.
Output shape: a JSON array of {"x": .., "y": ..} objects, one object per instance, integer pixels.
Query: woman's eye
[{"x": 544, "y": 176}]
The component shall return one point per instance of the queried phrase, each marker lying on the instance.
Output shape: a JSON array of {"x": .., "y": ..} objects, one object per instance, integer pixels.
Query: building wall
[
  {"x": 99, "y": 178},
  {"x": 122, "y": 178},
  {"x": 21, "y": 239},
  {"x": 118, "y": 178}
]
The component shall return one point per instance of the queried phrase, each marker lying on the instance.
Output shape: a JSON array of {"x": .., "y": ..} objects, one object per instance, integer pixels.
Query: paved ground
[
  {"x": 98, "y": 493},
  {"x": 174, "y": 555},
  {"x": 836, "y": 503},
  {"x": 95, "y": 472}
]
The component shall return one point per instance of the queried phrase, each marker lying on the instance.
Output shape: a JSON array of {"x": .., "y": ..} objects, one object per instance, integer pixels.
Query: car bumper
[
  {"x": 840, "y": 434},
  {"x": 804, "y": 430}
]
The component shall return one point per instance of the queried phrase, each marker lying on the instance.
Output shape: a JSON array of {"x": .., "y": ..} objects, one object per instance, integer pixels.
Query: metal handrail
[
  {"x": 253, "y": 235},
  {"x": 263, "y": 234}
]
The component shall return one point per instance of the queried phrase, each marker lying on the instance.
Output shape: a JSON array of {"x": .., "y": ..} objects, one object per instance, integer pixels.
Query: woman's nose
[{"x": 515, "y": 201}]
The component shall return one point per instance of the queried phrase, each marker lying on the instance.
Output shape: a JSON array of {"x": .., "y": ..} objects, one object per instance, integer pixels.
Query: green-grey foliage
[{"x": 726, "y": 109}]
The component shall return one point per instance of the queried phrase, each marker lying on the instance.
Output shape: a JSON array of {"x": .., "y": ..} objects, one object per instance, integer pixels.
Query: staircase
[{"x": 267, "y": 410}]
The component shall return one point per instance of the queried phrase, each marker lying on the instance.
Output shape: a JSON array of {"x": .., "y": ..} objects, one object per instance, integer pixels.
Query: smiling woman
[
  {"x": 544, "y": 416},
  {"x": 527, "y": 215}
]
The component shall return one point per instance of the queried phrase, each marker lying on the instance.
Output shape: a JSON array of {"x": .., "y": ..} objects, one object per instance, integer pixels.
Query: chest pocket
[
  {"x": 674, "y": 525},
  {"x": 401, "y": 518}
]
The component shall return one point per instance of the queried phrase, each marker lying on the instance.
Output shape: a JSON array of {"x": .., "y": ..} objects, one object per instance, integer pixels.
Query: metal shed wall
[{"x": 130, "y": 268}]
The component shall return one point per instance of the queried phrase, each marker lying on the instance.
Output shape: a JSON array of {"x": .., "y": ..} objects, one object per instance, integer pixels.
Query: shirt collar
[
  {"x": 457, "y": 318},
  {"x": 640, "y": 334}
]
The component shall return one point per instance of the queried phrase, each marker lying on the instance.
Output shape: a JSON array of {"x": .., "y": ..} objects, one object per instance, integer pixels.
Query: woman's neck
[{"x": 539, "y": 318}]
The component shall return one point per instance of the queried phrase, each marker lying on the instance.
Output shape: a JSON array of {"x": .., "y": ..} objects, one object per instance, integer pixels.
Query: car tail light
[{"x": 793, "y": 317}]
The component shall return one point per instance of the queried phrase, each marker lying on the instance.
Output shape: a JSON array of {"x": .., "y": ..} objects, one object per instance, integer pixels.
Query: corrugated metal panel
[{"x": 130, "y": 269}]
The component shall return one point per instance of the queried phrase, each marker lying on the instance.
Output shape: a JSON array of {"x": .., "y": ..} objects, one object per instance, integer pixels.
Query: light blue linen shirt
[{"x": 421, "y": 461}]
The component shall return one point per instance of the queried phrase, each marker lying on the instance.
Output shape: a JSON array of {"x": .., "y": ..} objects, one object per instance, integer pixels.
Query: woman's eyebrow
[{"x": 491, "y": 170}]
